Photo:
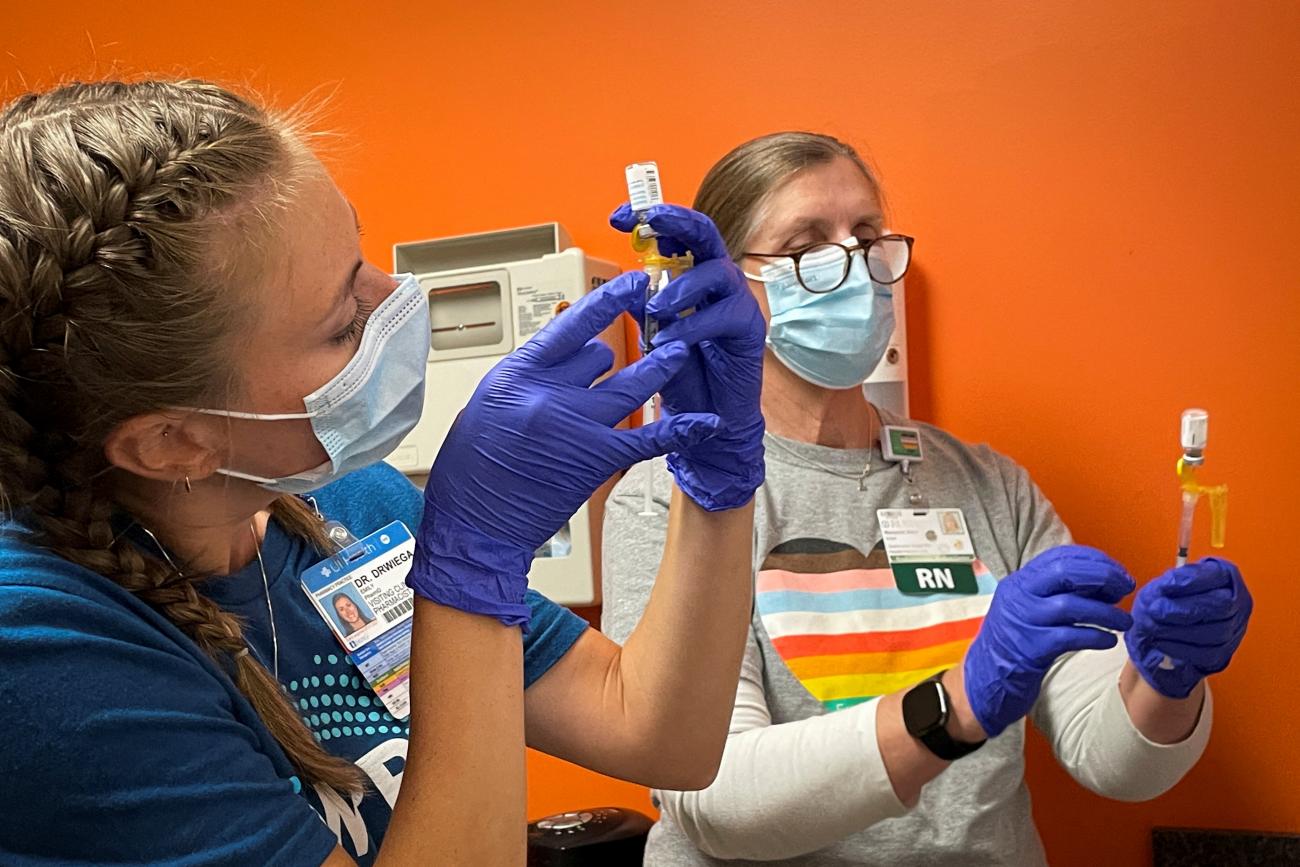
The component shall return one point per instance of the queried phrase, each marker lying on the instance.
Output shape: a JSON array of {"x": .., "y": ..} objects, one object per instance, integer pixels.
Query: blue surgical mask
[
  {"x": 364, "y": 412},
  {"x": 832, "y": 339}
]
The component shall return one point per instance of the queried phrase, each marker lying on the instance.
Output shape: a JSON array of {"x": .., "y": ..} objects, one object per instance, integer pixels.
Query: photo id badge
[
  {"x": 362, "y": 594},
  {"x": 929, "y": 550}
]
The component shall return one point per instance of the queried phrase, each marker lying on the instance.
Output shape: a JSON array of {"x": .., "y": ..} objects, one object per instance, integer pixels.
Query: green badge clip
[{"x": 901, "y": 443}]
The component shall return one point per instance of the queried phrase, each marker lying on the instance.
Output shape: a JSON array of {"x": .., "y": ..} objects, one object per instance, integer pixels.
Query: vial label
[{"x": 643, "y": 188}]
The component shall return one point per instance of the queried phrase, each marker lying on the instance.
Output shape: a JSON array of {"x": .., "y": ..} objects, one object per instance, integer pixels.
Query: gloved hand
[
  {"x": 725, "y": 372},
  {"x": 1196, "y": 615},
  {"x": 534, "y": 442},
  {"x": 1036, "y": 616}
]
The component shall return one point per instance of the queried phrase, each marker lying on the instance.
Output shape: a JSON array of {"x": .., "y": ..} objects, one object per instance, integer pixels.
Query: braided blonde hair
[{"x": 124, "y": 223}]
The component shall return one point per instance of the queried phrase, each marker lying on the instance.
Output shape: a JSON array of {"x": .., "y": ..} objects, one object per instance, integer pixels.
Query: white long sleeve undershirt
[{"x": 789, "y": 789}]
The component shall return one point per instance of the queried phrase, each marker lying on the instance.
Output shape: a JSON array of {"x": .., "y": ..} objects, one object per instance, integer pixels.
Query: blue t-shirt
[{"x": 121, "y": 742}]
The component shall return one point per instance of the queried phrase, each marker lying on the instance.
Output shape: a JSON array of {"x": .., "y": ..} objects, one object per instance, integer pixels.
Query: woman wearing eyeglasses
[{"x": 916, "y": 598}]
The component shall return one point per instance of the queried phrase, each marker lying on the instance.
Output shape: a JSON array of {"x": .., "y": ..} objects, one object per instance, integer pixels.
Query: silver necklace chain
[
  {"x": 266, "y": 587},
  {"x": 860, "y": 477},
  {"x": 270, "y": 611}
]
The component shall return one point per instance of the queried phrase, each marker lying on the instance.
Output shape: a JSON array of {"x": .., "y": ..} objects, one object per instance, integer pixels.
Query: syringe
[
  {"x": 644, "y": 191},
  {"x": 1194, "y": 434}
]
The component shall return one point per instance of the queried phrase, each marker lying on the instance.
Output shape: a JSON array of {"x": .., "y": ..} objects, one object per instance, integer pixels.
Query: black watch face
[{"x": 923, "y": 709}]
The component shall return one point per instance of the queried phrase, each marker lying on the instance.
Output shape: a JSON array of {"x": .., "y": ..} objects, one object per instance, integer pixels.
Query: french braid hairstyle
[{"x": 129, "y": 216}]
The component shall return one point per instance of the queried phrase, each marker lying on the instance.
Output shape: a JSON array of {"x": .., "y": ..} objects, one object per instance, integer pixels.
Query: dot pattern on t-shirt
[{"x": 336, "y": 703}]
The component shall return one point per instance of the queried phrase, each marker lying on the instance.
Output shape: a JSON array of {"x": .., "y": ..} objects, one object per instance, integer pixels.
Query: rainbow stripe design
[{"x": 849, "y": 635}]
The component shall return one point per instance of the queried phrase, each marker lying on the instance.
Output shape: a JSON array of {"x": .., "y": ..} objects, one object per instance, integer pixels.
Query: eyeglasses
[{"x": 824, "y": 267}]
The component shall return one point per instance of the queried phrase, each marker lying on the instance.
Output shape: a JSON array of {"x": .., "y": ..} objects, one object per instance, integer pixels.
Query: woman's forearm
[
  {"x": 462, "y": 800},
  {"x": 909, "y": 763},
  {"x": 678, "y": 669},
  {"x": 1089, "y": 710},
  {"x": 1160, "y": 719}
]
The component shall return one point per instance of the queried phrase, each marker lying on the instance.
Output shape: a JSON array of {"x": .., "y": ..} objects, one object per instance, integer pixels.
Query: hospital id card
[
  {"x": 929, "y": 550},
  {"x": 362, "y": 594}
]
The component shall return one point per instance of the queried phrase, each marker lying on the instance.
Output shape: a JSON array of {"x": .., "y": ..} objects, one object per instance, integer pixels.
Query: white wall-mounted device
[
  {"x": 488, "y": 293},
  {"x": 887, "y": 385}
]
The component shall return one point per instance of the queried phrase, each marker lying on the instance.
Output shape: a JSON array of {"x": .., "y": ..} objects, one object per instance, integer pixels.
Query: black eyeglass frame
[{"x": 848, "y": 254}]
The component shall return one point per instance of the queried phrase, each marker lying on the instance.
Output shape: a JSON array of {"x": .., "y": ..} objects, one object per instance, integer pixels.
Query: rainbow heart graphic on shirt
[{"x": 844, "y": 630}]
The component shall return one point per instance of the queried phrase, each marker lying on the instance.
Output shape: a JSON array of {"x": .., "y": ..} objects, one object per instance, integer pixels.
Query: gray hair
[{"x": 735, "y": 191}]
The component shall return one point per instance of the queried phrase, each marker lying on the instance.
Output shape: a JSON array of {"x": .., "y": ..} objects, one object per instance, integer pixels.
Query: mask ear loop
[
  {"x": 253, "y": 416},
  {"x": 772, "y": 266},
  {"x": 248, "y": 477}
]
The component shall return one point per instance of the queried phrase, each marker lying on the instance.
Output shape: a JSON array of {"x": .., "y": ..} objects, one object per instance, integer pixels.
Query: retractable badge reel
[
  {"x": 361, "y": 593},
  {"x": 902, "y": 445}
]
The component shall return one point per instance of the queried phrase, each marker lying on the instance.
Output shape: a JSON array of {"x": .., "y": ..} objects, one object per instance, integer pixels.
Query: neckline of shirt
[
  {"x": 245, "y": 585},
  {"x": 839, "y": 459}
]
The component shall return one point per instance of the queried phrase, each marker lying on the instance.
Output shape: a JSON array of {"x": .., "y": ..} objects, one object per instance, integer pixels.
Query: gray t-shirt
[{"x": 831, "y": 631}]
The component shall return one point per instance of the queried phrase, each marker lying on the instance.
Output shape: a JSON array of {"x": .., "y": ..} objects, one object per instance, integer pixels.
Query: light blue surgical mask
[
  {"x": 364, "y": 412},
  {"x": 832, "y": 339}
]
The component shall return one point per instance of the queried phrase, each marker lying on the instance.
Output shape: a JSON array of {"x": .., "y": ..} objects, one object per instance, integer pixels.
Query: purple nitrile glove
[
  {"x": 1194, "y": 616},
  {"x": 534, "y": 442},
  {"x": 1048, "y": 608},
  {"x": 724, "y": 374}
]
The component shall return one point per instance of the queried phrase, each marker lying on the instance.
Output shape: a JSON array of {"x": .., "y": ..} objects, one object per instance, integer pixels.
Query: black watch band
[{"x": 925, "y": 714}]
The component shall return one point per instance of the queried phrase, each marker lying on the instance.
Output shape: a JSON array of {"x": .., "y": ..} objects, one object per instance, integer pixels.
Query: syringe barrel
[
  {"x": 650, "y": 326},
  {"x": 1188, "y": 517}
]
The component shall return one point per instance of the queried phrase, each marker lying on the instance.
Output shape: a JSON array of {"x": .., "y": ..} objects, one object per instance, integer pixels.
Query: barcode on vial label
[
  {"x": 398, "y": 610},
  {"x": 652, "y": 185},
  {"x": 643, "y": 186}
]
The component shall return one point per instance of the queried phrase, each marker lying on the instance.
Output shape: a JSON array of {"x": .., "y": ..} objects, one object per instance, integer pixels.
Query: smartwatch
[{"x": 925, "y": 714}]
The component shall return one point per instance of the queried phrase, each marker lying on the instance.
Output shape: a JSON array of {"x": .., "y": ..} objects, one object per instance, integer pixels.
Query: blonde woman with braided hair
[{"x": 198, "y": 371}]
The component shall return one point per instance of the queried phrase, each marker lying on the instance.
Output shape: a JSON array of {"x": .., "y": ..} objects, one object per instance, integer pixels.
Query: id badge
[
  {"x": 929, "y": 550},
  {"x": 362, "y": 594}
]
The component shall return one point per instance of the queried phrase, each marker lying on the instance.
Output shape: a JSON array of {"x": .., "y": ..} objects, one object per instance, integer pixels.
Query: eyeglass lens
[{"x": 824, "y": 267}]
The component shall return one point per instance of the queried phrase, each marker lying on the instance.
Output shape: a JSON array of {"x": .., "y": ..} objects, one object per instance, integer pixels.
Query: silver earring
[{"x": 188, "y": 489}]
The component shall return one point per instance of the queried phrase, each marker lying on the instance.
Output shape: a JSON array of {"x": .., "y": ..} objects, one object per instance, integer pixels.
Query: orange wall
[{"x": 1094, "y": 186}]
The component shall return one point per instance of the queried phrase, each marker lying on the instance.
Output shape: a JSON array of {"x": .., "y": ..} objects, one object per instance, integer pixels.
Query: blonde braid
[{"x": 112, "y": 305}]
